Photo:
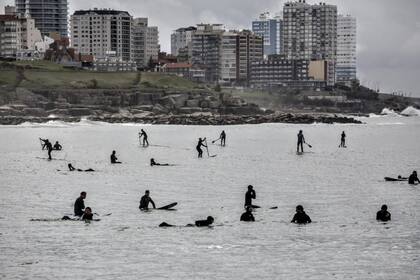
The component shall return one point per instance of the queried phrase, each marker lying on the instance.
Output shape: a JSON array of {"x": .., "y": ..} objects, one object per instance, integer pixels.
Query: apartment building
[
  {"x": 49, "y": 15},
  {"x": 346, "y": 67},
  {"x": 269, "y": 28},
  {"x": 181, "y": 39}
]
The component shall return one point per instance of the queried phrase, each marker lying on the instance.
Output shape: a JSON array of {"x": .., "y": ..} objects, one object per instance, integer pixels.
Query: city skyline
[{"x": 388, "y": 42}]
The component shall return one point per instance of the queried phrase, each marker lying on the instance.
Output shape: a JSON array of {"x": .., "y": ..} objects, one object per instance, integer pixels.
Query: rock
[
  {"x": 189, "y": 110},
  {"x": 192, "y": 103},
  {"x": 37, "y": 112},
  {"x": 160, "y": 109},
  {"x": 79, "y": 111}
]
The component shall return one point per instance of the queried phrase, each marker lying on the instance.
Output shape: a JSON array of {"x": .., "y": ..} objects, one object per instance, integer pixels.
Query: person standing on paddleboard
[
  {"x": 144, "y": 135},
  {"x": 249, "y": 196},
  {"x": 301, "y": 140},
  {"x": 223, "y": 138},
  {"x": 343, "y": 140},
  {"x": 79, "y": 205},
  {"x": 145, "y": 200},
  {"x": 199, "y": 145}
]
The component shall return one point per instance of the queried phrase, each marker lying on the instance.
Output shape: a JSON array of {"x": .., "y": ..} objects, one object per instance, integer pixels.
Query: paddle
[
  {"x": 215, "y": 140},
  {"x": 207, "y": 147},
  {"x": 310, "y": 146}
]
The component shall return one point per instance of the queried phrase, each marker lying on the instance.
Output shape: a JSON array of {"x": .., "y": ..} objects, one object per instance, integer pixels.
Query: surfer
[
  {"x": 79, "y": 205},
  {"x": 199, "y": 145},
  {"x": 87, "y": 215},
  {"x": 343, "y": 140},
  {"x": 72, "y": 168},
  {"x": 47, "y": 144},
  {"x": 413, "y": 178},
  {"x": 200, "y": 223},
  {"x": 57, "y": 146},
  {"x": 249, "y": 196},
  {"x": 44, "y": 143},
  {"x": 153, "y": 163},
  {"x": 301, "y": 140},
  {"x": 145, "y": 200},
  {"x": 247, "y": 216},
  {"x": 300, "y": 217},
  {"x": 383, "y": 215},
  {"x": 144, "y": 135},
  {"x": 114, "y": 158}
]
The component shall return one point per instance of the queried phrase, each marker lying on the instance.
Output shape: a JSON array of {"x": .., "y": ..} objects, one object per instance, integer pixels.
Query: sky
[{"x": 388, "y": 50}]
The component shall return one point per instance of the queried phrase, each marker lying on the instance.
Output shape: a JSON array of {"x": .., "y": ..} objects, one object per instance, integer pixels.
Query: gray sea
[{"x": 340, "y": 189}]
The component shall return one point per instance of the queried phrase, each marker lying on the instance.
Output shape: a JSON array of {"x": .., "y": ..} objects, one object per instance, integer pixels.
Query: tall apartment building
[
  {"x": 226, "y": 56},
  {"x": 270, "y": 28},
  {"x": 206, "y": 44},
  {"x": 17, "y": 33},
  {"x": 49, "y": 15},
  {"x": 98, "y": 32},
  {"x": 346, "y": 69},
  {"x": 145, "y": 44},
  {"x": 181, "y": 39},
  {"x": 310, "y": 32}
]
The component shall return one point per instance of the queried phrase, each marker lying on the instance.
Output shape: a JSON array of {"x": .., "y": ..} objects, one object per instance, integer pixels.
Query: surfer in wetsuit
[
  {"x": 87, "y": 215},
  {"x": 343, "y": 140},
  {"x": 300, "y": 217},
  {"x": 247, "y": 216},
  {"x": 79, "y": 205},
  {"x": 44, "y": 143},
  {"x": 413, "y": 178},
  {"x": 199, "y": 145},
  {"x": 144, "y": 135},
  {"x": 49, "y": 147},
  {"x": 72, "y": 168},
  {"x": 199, "y": 223},
  {"x": 145, "y": 200},
  {"x": 301, "y": 140},
  {"x": 114, "y": 158},
  {"x": 57, "y": 146},
  {"x": 383, "y": 215},
  {"x": 249, "y": 196},
  {"x": 153, "y": 163}
]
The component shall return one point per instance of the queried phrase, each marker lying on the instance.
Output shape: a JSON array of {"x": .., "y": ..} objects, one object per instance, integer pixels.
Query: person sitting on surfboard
[
  {"x": 249, "y": 196},
  {"x": 383, "y": 215},
  {"x": 57, "y": 146},
  {"x": 144, "y": 201},
  {"x": 247, "y": 216},
  {"x": 301, "y": 140},
  {"x": 300, "y": 217},
  {"x": 413, "y": 178},
  {"x": 199, "y": 145},
  {"x": 114, "y": 158},
  {"x": 153, "y": 163},
  {"x": 145, "y": 141},
  {"x": 79, "y": 205}
]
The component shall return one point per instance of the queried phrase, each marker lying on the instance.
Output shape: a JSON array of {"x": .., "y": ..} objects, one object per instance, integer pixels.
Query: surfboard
[{"x": 168, "y": 207}]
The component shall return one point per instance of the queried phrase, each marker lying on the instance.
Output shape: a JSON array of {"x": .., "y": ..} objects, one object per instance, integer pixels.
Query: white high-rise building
[
  {"x": 145, "y": 42},
  {"x": 152, "y": 43},
  {"x": 98, "y": 32},
  {"x": 269, "y": 28},
  {"x": 346, "y": 68},
  {"x": 182, "y": 38}
]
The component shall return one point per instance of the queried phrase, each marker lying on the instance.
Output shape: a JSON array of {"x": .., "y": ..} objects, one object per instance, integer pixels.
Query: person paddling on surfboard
[
  {"x": 249, "y": 196},
  {"x": 79, "y": 205},
  {"x": 144, "y": 135},
  {"x": 413, "y": 178},
  {"x": 383, "y": 215},
  {"x": 200, "y": 223},
  {"x": 114, "y": 158},
  {"x": 153, "y": 163},
  {"x": 301, "y": 140},
  {"x": 199, "y": 145},
  {"x": 145, "y": 200},
  {"x": 343, "y": 140},
  {"x": 300, "y": 217}
]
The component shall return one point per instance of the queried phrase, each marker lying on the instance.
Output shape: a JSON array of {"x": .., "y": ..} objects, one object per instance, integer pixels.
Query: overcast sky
[{"x": 388, "y": 30}]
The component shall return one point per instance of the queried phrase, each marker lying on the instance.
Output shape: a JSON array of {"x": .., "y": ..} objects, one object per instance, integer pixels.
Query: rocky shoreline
[{"x": 191, "y": 119}]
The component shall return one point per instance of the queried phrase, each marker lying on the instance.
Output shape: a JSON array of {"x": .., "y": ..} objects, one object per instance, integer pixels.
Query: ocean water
[{"x": 340, "y": 189}]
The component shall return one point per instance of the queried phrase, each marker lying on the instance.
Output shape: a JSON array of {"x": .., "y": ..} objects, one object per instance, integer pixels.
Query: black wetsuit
[
  {"x": 145, "y": 141},
  {"x": 57, "y": 147},
  {"x": 301, "y": 140},
  {"x": 199, "y": 150},
  {"x": 247, "y": 217},
  {"x": 79, "y": 206},
  {"x": 114, "y": 158},
  {"x": 203, "y": 223},
  {"x": 223, "y": 138},
  {"x": 413, "y": 179},
  {"x": 49, "y": 148},
  {"x": 144, "y": 202},
  {"x": 249, "y": 195},
  {"x": 383, "y": 216},
  {"x": 301, "y": 218},
  {"x": 88, "y": 217},
  {"x": 343, "y": 140}
]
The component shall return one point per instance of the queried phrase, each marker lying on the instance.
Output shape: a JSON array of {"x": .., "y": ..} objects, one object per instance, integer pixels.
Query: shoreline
[{"x": 192, "y": 119}]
